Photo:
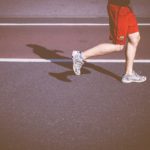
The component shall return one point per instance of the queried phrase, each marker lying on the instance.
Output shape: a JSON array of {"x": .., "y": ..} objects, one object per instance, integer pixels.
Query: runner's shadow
[
  {"x": 102, "y": 70},
  {"x": 58, "y": 54},
  {"x": 53, "y": 55}
]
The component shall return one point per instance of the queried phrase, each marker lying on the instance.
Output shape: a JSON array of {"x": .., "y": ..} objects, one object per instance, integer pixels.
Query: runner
[{"x": 123, "y": 30}]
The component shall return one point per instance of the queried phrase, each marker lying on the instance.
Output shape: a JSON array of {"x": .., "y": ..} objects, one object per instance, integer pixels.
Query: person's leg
[
  {"x": 102, "y": 49},
  {"x": 130, "y": 74},
  {"x": 131, "y": 51}
]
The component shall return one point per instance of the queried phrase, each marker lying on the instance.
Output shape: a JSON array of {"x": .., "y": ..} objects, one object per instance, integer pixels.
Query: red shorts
[{"x": 122, "y": 23}]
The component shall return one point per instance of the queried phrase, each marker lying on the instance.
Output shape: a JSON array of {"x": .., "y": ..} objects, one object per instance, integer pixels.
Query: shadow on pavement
[{"x": 58, "y": 54}]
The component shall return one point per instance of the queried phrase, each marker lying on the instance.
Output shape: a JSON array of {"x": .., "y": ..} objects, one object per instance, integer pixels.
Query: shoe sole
[
  {"x": 75, "y": 71},
  {"x": 133, "y": 81}
]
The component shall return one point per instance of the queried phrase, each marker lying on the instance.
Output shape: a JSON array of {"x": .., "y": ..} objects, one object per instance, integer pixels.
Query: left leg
[
  {"x": 130, "y": 74},
  {"x": 133, "y": 41},
  {"x": 132, "y": 44}
]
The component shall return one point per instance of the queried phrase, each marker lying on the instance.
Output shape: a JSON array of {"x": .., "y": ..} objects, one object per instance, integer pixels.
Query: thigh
[
  {"x": 118, "y": 19},
  {"x": 133, "y": 25}
]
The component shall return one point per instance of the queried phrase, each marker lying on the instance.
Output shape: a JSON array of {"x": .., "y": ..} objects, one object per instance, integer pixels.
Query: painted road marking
[
  {"x": 70, "y": 60},
  {"x": 62, "y": 24}
]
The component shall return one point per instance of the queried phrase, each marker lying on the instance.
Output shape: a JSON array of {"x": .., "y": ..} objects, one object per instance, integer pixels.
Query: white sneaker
[
  {"x": 133, "y": 78},
  {"x": 77, "y": 62}
]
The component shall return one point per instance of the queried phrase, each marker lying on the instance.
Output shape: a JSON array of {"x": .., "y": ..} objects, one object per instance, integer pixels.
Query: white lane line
[
  {"x": 54, "y": 24},
  {"x": 62, "y": 24},
  {"x": 33, "y": 60},
  {"x": 26, "y": 60},
  {"x": 116, "y": 60}
]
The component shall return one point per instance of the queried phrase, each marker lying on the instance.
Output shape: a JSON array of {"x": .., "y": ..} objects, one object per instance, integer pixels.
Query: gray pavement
[
  {"x": 23, "y": 42},
  {"x": 45, "y": 106},
  {"x": 64, "y": 8}
]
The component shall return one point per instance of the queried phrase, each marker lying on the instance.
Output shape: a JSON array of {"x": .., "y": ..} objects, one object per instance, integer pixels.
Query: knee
[
  {"x": 119, "y": 47},
  {"x": 135, "y": 40},
  {"x": 138, "y": 38}
]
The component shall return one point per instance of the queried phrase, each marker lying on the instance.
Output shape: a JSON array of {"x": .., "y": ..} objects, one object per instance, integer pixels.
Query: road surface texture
[{"x": 44, "y": 106}]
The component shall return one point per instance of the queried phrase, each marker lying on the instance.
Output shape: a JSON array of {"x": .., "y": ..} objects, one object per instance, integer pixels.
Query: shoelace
[
  {"x": 79, "y": 64},
  {"x": 137, "y": 74}
]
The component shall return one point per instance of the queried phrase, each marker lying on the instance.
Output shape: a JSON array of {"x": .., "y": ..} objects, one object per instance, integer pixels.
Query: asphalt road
[{"x": 44, "y": 106}]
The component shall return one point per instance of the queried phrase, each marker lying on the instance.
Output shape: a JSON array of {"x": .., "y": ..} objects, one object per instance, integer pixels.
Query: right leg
[{"x": 102, "y": 49}]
